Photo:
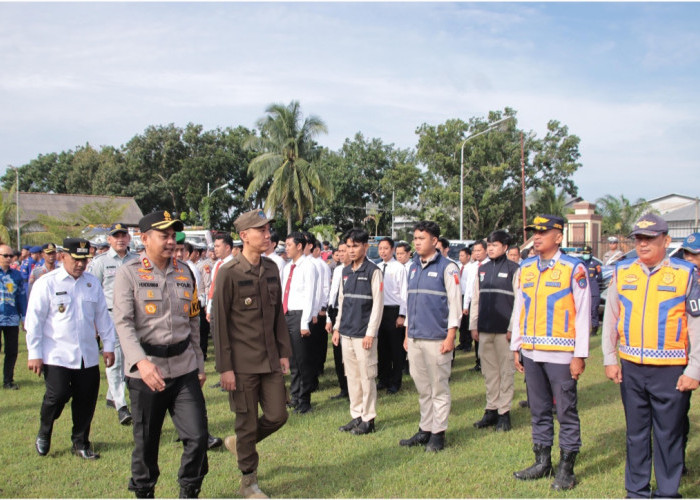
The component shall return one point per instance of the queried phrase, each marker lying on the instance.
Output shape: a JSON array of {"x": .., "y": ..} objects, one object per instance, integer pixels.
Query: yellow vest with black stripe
[
  {"x": 548, "y": 314},
  {"x": 653, "y": 325}
]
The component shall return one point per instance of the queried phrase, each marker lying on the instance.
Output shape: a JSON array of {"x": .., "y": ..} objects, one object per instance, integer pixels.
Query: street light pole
[
  {"x": 461, "y": 169},
  {"x": 209, "y": 201}
]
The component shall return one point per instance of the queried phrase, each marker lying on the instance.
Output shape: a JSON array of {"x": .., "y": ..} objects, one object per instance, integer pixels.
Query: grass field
[{"x": 309, "y": 458}]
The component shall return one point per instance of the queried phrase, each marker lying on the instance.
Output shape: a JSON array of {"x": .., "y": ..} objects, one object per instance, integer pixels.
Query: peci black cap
[
  {"x": 546, "y": 222},
  {"x": 160, "y": 221},
  {"x": 78, "y": 248}
]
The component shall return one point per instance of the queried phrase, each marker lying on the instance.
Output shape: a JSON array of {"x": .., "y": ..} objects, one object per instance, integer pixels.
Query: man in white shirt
[
  {"x": 391, "y": 333},
  {"x": 272, "y": 254},
  {"x": 403, "y": 255},
  {"x": 319, "y": 336},
  {"x": 223, "y": 251},
  {"x": 465, "y": 336},
  {"x": 299, "y": 282},
  {"x": 479, "y": 257},
  {"x": 66, "y": 307},
  {"x": 343, "y": 260}
]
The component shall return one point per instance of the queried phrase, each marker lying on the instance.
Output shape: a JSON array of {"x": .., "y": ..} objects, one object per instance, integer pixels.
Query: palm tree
[
  {"x": 285, "y": 166},
  {"x": 619, "y": 215},
  {"x": 548, "y": 201}
]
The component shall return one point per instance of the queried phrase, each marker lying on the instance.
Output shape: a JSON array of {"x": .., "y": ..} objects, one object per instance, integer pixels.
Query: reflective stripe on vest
[
  {"x": 653, "y": 325},
  {"x": 548, "y": 314},
  {"x": 427, "y": 299}
]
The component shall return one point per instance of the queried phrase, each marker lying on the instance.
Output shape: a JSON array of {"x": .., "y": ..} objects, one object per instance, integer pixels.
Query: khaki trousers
[
  {"x": 430, "y": 371},
  {"x": 361, "y": 372},
  {"x": 498, "y": 369}
]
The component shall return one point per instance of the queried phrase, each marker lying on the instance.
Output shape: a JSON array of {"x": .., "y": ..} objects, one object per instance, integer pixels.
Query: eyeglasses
[{"x": 6, "y": 255}]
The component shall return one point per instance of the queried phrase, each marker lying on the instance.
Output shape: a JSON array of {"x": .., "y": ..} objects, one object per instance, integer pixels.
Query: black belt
[
  {"x": 392, "y": 307},
  {"x": 167, "y": 350}
]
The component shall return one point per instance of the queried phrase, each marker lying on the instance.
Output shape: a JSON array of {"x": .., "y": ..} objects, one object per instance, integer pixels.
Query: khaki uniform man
[
  {"x": 252, "y": 345},
  {"x": 156, "y": 314}
]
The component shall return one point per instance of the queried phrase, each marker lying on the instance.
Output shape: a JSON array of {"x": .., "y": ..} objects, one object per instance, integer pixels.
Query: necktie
[
  {"x": 384, "y": 271},
  {"x": 461, "y": 270},
  {"x": 286, "y": 288},
  {"x": 213, "y": 278}
]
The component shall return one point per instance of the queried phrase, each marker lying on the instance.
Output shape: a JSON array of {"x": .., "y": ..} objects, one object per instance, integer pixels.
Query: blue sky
[{"x": 624, "y": 77}]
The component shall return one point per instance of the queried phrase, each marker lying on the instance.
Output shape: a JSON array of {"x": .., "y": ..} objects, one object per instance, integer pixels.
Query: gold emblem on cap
[
  {"x": 540, "y": 220},
  {"x": 118, "y": 226},
  {"x": 691, "y": 238},
  {"x": 248, "y": 301},
  {"x": 82, "y": 244},
  {"x": 643, "y": 224},
  {"x": 167, "y": 216}
]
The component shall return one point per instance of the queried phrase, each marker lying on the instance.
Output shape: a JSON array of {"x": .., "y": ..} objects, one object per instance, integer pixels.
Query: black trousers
[
  {"x": 338, "y": 356},
  {"x": 11, "y": 334},
  {"x": 465, "y": 335},
  {"x": 62, "y": 384},
  {"x": 204, "y": 329},
  {"x": 319, "y": 339},
  {"x": 183, "y": 399},
  {"x": 546, "y": 382},
  {"x": 652, "y": 403},
  {"x": 302, "y": 366},
  {"x": 390, "y": 350}
]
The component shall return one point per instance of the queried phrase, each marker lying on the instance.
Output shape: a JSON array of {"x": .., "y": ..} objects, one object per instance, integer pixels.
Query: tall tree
[
  {"x": 286, "y": 166},
  {"x": 548, "y": 201},
  {"x": 492, "y": 185}
]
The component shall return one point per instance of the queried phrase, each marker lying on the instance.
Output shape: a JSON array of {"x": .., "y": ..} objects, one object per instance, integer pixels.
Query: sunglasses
[{"x": 6, "y": 255}]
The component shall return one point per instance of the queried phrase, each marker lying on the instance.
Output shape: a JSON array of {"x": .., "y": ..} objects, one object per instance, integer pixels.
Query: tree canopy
[{"x": 211, "y": 176}]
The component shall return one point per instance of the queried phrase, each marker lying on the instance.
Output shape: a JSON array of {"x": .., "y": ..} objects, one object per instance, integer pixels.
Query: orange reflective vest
[
  {"x": 653, "y": 326},
  {"x": 548, "y": 314}
]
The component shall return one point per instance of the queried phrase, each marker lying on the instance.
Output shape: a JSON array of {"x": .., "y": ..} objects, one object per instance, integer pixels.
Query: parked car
[{"x": 456, "y": 246}]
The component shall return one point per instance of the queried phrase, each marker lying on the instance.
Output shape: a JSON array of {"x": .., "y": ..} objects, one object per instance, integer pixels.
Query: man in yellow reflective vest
[
  {"x": 651, "y": 322},
  {"x": 551, "y": 325}
]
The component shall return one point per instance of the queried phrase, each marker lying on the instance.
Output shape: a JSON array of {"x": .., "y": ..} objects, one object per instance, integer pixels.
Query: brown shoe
[
  {"x": 230, "y": 444},
  {"x": 249, "y": 486}
]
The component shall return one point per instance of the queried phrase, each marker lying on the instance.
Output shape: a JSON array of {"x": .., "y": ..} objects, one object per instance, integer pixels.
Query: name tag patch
[
  {"x": 362, "y": 278},
  {"x": 502, "y": 275},
  {"x": 148, "y": 285},
  {"x": 528, "y": 285},
  {"x": 662, "y": 288},
  {"x": 432, "y": 274},
  {"x": 629, "y": 287},
  {"x": 555, "y": 284}
]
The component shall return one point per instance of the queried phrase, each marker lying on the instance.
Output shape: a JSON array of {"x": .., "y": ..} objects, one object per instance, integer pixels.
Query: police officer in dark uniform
[
  {"x": 595, "y": 279},
  {"x": 156, "y": 314},
  {"x": 252, "y": 345}
]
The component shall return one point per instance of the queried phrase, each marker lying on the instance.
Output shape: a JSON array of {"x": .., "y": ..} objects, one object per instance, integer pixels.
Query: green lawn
[{"x": 309, "y": 458}]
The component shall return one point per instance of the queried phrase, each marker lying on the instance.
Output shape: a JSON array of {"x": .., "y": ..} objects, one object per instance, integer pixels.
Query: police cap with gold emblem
[
  {"x": 118, "y": 227},
  {"x": 49, "y": 248},
  {"x": 160, "y": 221},
  {"x": 78, "y": 248},
  {"x": 546, "y": 222},
  {"x": 649, "y": 225},
  {"x": 254, "y": 218},
  {"x": 692, "y": 243}
]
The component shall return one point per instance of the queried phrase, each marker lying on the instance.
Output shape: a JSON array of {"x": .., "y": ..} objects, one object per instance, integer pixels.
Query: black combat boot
[
  {"x": 565, "y": 478},
  {"x": 490, "y": 418},
  {"x": 419, "y": 438},
  {"x": 189, "y": 492},
  {"x": 145, "y": 493},
  {"x": 542, "y": 466},
  {"x": 503, "y": 423},
  {"x": 436, "y": 442}
]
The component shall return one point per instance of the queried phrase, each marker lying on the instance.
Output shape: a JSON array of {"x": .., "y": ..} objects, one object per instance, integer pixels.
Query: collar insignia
[{"x": 146, "y": 263}]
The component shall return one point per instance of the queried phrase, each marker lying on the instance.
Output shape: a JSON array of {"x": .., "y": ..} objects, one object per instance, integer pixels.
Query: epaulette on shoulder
[{"x": 680, "y": 263}]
